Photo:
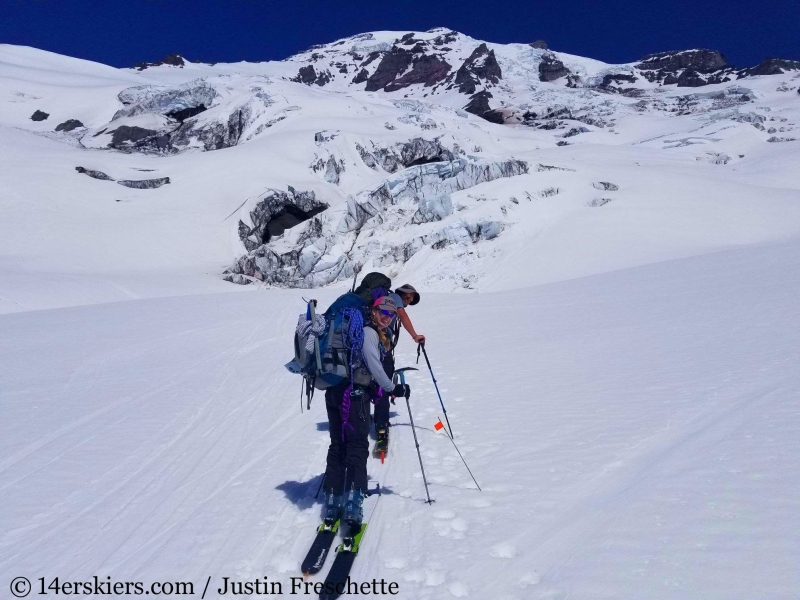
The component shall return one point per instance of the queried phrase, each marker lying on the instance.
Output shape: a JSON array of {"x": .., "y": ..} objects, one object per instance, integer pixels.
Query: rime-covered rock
[
  {"x": 94, "y": 174},
  {"x": 144, "y": 184}
]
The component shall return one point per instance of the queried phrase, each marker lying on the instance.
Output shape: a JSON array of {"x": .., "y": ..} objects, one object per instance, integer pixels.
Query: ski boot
[
  {"x": 381, "y": 442},
  {"x": 354, "y": 511},
  {"x": 332, "y": 510}
]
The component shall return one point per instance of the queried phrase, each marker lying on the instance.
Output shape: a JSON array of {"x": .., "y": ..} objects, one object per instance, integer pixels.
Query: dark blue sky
[{"x": 124, "y": 32}]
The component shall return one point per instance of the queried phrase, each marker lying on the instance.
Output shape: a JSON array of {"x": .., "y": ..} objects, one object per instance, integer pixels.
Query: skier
[
  {"x": 402, "y": 296},
  {"x": 347, "y": 405}
]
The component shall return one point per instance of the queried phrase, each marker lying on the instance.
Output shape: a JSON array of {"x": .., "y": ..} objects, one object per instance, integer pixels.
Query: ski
[
  {"x": 336, "y": 581},
  {"x": 315, "y": 559}
]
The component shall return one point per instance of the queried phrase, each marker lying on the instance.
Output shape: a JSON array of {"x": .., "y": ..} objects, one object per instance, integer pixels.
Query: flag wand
[{"x": 438, "y": 427}]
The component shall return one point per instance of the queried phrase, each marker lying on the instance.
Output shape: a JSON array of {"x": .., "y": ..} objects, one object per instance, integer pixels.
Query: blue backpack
[{"x": 327, "y": 347}]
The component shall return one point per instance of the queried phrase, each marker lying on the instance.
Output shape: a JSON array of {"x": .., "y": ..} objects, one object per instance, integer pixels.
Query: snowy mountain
[
  {"x": 460, "y": 163},
  {"x": 625, "y": 392}
]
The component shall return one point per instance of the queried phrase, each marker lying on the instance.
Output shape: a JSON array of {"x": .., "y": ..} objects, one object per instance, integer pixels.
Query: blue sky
[{"x": 124, "y": 32}]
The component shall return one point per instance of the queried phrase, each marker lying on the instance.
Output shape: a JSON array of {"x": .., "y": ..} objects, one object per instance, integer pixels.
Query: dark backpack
[{"x": 374, "y": 285}]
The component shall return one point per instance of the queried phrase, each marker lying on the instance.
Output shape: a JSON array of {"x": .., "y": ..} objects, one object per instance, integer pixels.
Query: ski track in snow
[
  {"x": 628, "y": 403},
  {"x": 637, "y": 444}
]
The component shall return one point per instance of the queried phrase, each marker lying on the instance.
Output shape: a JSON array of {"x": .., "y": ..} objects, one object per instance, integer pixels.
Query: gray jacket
[{"x": 372, "y": 357}]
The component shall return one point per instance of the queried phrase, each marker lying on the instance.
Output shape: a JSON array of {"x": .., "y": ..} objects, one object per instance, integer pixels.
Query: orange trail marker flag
[{"x": 439, "y": 425}]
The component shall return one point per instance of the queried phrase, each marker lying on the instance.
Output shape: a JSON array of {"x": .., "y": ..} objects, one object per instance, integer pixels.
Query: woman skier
[
  {"x": 347, "y": 405},
  {"x": 403, "y": 296}
]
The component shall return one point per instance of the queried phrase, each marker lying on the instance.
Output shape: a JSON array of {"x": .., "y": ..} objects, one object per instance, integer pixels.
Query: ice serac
[
  {"x": 207, "y": 113},
  {"x": 330, "y": 168},
  {"x": 275, "y": 212},
  {"x": 319, "y": 252},
  {"x": 416, "y": 151},
  {"x": 481, "y": 67},
  {"x": 425, "y": 181},
  {"x": 166, "y": 101}
]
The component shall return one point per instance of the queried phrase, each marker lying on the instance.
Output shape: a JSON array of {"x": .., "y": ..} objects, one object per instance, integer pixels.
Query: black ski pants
[{"x": 349, "y": 449}]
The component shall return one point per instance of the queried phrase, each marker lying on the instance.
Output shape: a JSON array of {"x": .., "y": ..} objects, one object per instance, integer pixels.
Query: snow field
[{"x": 633, "y": 433}]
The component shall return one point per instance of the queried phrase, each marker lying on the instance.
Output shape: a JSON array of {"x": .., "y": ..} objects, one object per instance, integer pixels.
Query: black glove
[{"x": 402, "y": 389}]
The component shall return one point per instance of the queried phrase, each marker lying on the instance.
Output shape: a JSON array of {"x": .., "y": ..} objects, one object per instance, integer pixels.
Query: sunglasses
[{"x": 387, "y": 313}]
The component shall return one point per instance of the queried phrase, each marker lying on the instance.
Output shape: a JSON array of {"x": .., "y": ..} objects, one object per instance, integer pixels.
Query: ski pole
[
  {"x": 459, "y": 454},
  {"x": 414, "y": 431},
  {"x": 321, "y": 483},
  {"x": 422, "y": 348}
]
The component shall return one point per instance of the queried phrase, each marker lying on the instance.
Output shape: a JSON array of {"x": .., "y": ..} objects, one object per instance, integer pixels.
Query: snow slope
[
  {"x": 634, "y": 434},
  {"x": 623, "y": 386},
  {"x": 692, "y": 171}
]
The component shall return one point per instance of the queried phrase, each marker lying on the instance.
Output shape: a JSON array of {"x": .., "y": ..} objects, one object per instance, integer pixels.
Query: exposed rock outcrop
[
  {"x": 479, "y": 105},
  {"x": 700, "y": 60},
  {"x": 39, "y": 115},
  {"x": 481, "y": 66},
  {"x": 771, "y": 66},
  {"x": 393, "y": 63},
  {"x": 550, "y": 68},
  {"x": 426, "y": 69},
  {"x": 130, "y": 138},
  {"x": 309, "y": 76},
  {"x": 174, "y": 60},
  {"x": 538, "y": 45},
  {"x": 686, "y": 68},
  {"x": 401, "y": 67},
  {"x": 69, "y": 125}
]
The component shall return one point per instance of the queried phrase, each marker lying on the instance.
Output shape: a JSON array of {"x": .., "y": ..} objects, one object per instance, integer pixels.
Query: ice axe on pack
[{"x": 402, "y": 374}]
